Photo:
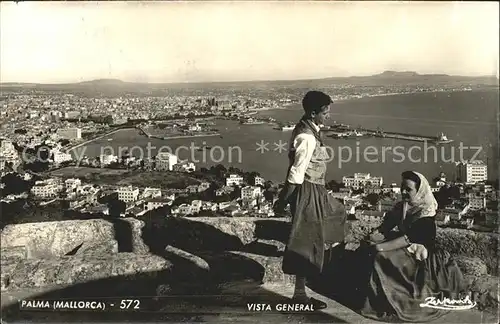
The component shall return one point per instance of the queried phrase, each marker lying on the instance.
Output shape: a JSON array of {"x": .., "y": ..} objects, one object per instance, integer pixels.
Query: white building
[
  {"x": 70, "y": 133},
  {"x": 7, "y": 148},
  {"x": 71, "y": 114},
  {"x": 157, "y": 203},
  {"x": 60, "y": 157},
  {"x": 46, "y": 189},
  {"x": 250, "y": 192},
  {"x": 128, "y": 193},
  {"x": 107, "y": 159},
  {"x": 185, "y": 209},
  {"x": 360, "y": 180},
  {"x": 151, "y": 192},
  {"x": 194, "y": 128},
  {"x": 184, "y": 167},
  {"x": 196, "y": 206},
  {"x": 72, "y": 183},
  {"x": 8, "y": 153},
  {"x": 477, "y": 200},
  {"x": 472, "y": 172},
  {"x": 234, "y": 180},
  {"x": 166, "y": 161},
  {"x": 258, "y": 181}
]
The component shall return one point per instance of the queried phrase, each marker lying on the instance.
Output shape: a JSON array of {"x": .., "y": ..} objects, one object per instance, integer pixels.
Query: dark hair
[
  {"x": 315, "y": 101},
  {"x": 410, "y": 175}
]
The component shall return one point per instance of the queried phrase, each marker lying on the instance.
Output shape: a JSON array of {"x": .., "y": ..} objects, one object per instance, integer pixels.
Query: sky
[{"x": 54, "y": 42}]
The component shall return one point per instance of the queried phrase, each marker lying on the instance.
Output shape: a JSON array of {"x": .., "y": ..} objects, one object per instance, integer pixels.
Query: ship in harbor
[
  {"x": 344, "y": 134},
  {"x": 285, "y": 128},
  {"x": 251, "y": 121},
  {"x": 443, "y": 139}
]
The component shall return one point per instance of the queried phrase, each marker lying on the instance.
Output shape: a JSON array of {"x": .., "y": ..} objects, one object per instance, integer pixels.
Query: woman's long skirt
[
  {"x": 317, "y": 218},
  {"x": 398, "y": 284}
]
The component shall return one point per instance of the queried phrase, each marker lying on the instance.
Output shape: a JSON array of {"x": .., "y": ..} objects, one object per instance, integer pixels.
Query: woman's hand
[
  {"x": 376, "y": 237},
  {"x": 279, "y": 206},
  {"x": 397, "y": 243},
  {"x": 284, "y": 198}
]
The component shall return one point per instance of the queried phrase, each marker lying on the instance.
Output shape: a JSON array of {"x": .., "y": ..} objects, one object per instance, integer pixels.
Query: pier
[
  {"x": 406, "y": 137},
  {"x": 349, "y": 132},
  {"x": 144, "y": 131}
]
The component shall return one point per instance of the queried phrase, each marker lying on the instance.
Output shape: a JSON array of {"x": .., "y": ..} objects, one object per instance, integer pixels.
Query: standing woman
[{"x": 317, "y": 218}]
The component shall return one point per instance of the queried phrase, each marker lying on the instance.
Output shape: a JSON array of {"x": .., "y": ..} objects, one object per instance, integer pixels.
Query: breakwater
[
  {"x": 347, "y": 132},
  {"x": 167, "y": 137},
  {"x": 403, "y": 136}
]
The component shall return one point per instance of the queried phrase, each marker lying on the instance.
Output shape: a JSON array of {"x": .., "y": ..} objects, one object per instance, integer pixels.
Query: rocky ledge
[{"x": 196, "y": 251}]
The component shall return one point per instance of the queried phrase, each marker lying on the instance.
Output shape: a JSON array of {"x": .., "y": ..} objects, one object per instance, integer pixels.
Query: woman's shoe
[{"x": 317, "y": 304}]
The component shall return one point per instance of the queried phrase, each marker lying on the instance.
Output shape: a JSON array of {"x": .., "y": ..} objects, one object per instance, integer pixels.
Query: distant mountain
[
  {"x": 405, "y": 74},
  {"x": 103, "y": 82},
  {"x": 386, "y": 77}
]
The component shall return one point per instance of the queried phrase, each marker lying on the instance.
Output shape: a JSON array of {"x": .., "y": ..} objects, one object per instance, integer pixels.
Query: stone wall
[
  {"x": 56, "y": 239},
  {"x": 69, "y": 252}
]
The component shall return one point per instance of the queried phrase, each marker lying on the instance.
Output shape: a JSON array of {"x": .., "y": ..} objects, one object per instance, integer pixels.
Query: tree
[
  {"x": 236, "y": 193},
  {"x": 268, "y": 184},
  {"x": 207, "y": 213},
  {"x": 116, "y": 207},
  {"x": 372, "y": 198},
  {"x": 14, "y": 184},
  {"x": 269, "y": 195},
  {"x": 222, "y": 198},
  {"x": 358, "y": 191},
  {"x": 334, "y": 185}
]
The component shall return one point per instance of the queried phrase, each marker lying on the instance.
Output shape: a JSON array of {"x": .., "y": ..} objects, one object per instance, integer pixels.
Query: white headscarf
[{"x": 424, "y": 200}]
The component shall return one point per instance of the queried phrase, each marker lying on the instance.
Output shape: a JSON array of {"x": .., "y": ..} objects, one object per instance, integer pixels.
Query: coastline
[
  {"x": 256, "y": 111},
  {"x": 188, "y": 136},
  {"x": 344, "y": 100},
  {"x": 96, "y": 138}
]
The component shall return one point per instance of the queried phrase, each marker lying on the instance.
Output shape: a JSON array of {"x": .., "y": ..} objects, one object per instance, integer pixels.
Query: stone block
[
  {"x": 36, "y": 237},
  {"x": 132, "y": 264},
  {"x": 473, "y": 267},
  {"x": 243, "y": 228},
  {"x": 92, "y": 248},
  {"x": 136, "y": 226},
  {"x": 194, "y": 259},
  {"x": 486, "y": 293},
  {"x": 280, "y": 246},
  {"x": 45, "y": 275},
  {"x": 272, "y": 272},
  {"x": 14, "y": 252},
  {"x": 83, "y": 270},
  {"x": 21, "y": 276},
  {"x": 9, "y": 264},
  {"x": 459, "y": 242}
]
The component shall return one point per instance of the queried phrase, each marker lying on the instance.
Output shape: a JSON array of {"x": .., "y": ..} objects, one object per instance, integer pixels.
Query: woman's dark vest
[{"x": 316, "y": 169}]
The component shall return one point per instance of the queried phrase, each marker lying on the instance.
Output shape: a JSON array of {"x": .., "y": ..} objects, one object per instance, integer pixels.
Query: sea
[{"x": 469, "y": 118}]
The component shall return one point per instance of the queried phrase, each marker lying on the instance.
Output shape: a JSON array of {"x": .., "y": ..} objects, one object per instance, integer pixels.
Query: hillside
[{"x": 387, "y": 77}]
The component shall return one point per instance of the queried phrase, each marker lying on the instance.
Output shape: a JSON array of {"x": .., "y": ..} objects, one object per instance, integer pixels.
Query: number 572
[{"x": 130, "y": 304}]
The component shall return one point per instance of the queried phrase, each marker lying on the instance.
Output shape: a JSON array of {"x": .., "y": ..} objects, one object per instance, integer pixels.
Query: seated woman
[{"x": 404, "y": 268}]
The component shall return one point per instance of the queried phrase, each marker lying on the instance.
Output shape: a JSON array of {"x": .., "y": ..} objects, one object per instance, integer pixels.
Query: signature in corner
[{"x": 449, "y": 304}]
